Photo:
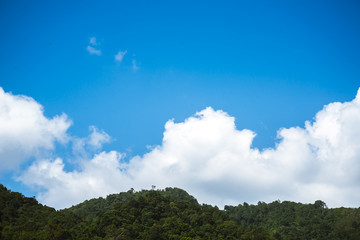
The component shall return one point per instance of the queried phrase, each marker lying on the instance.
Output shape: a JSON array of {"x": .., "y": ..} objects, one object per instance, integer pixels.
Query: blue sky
[{"x": 268, "y": 65}]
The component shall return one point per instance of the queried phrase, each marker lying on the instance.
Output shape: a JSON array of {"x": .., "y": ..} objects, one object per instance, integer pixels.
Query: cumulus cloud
[
  {"x": 25, "y": 131},
  {"x": 213, "y": 160},
  {"x": 120, "y": 55},
  {"x": 100, "y": 176},
  {"x": 91, "y": 48}
]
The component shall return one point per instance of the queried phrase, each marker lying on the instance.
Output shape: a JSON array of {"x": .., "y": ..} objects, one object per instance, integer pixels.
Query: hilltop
[{"x": 172, "y": 214}]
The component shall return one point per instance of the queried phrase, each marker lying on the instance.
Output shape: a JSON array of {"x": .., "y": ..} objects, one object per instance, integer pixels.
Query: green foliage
[
  {"x": 289, "y": 220},
  {"x": 21, "y": 217},
  {"x": 156, "y": 215},
  {"x": 172, "y": 214}
]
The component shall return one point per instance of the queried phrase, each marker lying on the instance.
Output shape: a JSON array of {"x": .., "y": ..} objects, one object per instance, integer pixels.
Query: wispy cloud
[
  {"x": 134, "y": 65},
  {"x": 93, "y": 51},
  {"x": 213, "y": 160},
  {"x": 120, "y": 55},
  {"x": 97, "y": 138},
  {"x": 91, "y": 48},
  {"x": 93, "y": 41},
  {"x": 83, "y": 148}
]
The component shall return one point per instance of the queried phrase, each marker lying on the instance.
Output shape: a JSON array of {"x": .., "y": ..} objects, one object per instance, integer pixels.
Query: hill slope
[{"x": 172, "y": 214}]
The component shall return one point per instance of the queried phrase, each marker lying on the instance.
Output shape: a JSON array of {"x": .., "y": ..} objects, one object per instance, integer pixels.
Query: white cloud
[
  {"x": 99, "y": 177},
  {"x": 93, "y": 51},
  {"x": 120, "y": 55},
  {"x": 25, "y": 131},
  {"x": 211, "y": 159},
  {"x": 91, "y": 48},
  {"x": 97, "y": 138},
  {"x": 84, "y": 147}
]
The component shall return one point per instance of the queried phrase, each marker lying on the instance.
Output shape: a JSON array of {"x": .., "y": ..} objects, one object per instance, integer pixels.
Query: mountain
[{"x": 172, "y": 214}]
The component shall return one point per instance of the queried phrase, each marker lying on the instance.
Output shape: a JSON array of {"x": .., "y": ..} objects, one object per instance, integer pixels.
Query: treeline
[
  {"x": 289, "y": 220},
  {"x": 171, "y": 214}
]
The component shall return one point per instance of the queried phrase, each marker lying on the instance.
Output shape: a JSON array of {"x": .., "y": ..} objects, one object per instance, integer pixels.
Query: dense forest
[{"x": 172, "y": 214}]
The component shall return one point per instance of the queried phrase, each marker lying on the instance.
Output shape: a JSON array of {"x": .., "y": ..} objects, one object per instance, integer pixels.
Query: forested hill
[{"x": 172, "y": 214}]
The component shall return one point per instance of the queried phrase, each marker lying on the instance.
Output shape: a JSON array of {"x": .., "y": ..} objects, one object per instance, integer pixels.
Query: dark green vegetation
[
  {"x": 289, "y": 220},
  {"x": 172, "y": 214}
]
